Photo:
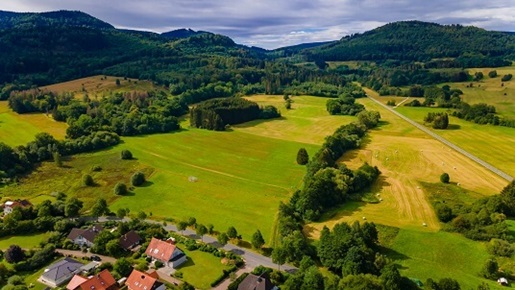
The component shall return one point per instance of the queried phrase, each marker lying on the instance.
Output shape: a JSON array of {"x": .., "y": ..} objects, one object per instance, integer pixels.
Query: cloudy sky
[{"x": 276, "y": 23}]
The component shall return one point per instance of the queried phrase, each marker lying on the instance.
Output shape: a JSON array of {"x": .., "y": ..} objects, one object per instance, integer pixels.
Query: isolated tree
[
  {"x": 138, "y": 178},
  {"x": 100, "y": 208},
  {"x": 126, "y": 155},
  {"x": 287, "y": 103},
  {"x": 210, "y": 228},
  {"x": 142, "y": 215},
  {"x": 192, "y": 221},
  {"x": 302, "y": 156},
  {"x": 117, "y": 82},
  {"x": 222, "y": 239},
  {"x": 14, "y": 254},
  {"x": 123, "y": 267},
  {"x": 257, "y": 240},
  {"x": 279, "y": 257},
  {"x": 72, "y": 207},
  {"x": 57, "y": 159},
  {"x": 444, "y": 178},
  {"x": 490, "y": 269},
  {"x": 478, "y": 76},
  {"x": 492, "y": 74},
  {"x": 120, "y": 189},
  {"x": 201, "y": 230},
  {"x": 182, "y": 225},
  {"x": 232, "y": 233},
  {"x": 87, "y": 180}
]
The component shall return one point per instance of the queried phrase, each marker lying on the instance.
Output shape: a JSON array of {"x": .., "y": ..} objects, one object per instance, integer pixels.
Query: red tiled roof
[
  {"x": 160, "y": 250},
  {"x": 75, "y": 282},
  {"x": 101, "y": 281},
  {"x": 140, "y": 281}
]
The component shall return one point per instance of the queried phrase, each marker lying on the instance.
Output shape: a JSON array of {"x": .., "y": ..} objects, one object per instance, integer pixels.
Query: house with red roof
[
  {"x": 10, "y": 205},
  {"x": 166, "y": 252},
  {"x": 142, "y": 281},
  {"x": 101, "y": 281}
]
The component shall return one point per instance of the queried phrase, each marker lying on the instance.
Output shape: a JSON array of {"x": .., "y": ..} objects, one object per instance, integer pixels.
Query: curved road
[{"x": 446, "y": 142}]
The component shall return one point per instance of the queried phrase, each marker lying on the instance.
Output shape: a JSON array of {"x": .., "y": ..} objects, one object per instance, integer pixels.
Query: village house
[
  {"x": 61, "y": 272},
  {"x": 166, "y": 252},
  {"x": 101, "y": 281},
  {"x": 130, "y": 240},
  {"x": 254, "y": 282},
  {"x": 9, "y": 205},
  {"x": 85, "y": 237},
  {"x": 142, "y": 281}
]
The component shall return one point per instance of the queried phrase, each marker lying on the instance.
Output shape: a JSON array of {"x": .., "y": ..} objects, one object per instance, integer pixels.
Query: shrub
[
  {"x": 126, "y": 155},
  {"x": 138, "y": 178},
  {"x": 87, "y": 180},
  {"x": 96, "y": 168},
  {"x": 492, "y": 74},
  {"x": 390, "y": 103},
  {"x": 444, "y": 178},
  {"x": 120, "y": 188},
  {"x": 158, "y": 264},
  {"x": 302, "y": 157},
  {"x": 500, "y": 248},
  {"x": 506, "y": 78}
]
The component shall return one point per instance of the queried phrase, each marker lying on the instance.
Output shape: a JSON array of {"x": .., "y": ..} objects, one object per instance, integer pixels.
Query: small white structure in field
[
  {"x": 380, "y": 199},
  {"x": 458, "y": 184},
  {"x": 454, "y": 167},
  {"x": 418, "y": 187},
  {"x": 386, "y": 158},
  {"x": 502, "y": 281},
  {"x": 396, "y": 151},
  {"x": 424, "y": 224},
  {"x": 192, "y": 179},
  {"x": 377, "y": 194},
  {"x": 364, "y": 218}
]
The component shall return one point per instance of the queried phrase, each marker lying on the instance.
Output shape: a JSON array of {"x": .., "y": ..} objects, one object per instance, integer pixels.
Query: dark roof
[
  {"x": 129, "y": 240},
  {"x": 253, "y": 282},
  {"x": 61, "y": 269},
  {"x": 89, "y": 234}
]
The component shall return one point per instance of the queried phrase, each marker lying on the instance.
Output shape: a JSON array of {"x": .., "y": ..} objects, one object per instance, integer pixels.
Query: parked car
[{"x": 96, "y": 258}]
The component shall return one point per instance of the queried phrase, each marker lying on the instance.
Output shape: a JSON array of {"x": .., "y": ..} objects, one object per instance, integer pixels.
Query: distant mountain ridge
[
  {"x": 182, "y": 33},
  {"x": 417, "y": 41},
  {"x": 54, "y": 18}
]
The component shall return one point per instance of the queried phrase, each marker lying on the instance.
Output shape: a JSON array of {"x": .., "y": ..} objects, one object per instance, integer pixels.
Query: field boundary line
[{"x": 481, "y": 162}]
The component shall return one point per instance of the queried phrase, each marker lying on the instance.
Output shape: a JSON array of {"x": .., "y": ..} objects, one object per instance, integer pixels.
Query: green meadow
[
  {"x": 25, "y": 242},
  {"x": 201, "y": 269}
]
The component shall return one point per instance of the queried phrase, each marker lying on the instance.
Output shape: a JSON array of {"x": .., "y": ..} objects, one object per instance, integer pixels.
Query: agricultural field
[
  {"x": 407, "y": 157},
  {"x": 97, "y": 86},
  {"x": 25, "y": 242},
  {"x": 18, "y": 129},
  {"x": 306, "y": 122}
]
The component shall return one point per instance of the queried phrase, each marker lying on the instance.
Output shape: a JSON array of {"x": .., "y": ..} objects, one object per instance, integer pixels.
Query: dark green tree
[
  {"x": 138, "y": 178},
  {"x": 120, "y": 189},
  {"x": 126, "y": 155},
  {"x": 14, "y": 254},
  {"x": 232, "y": 233},
  {"x": 87, "y": 180},
  {"x": 391, "y": 277},
  {"x": 490, "y": 269},
  {"x": 279, "y": 256},
  {"x": 100, "y": 208},
  {"x": 201, "y": 230},
  {"x": 123, "y": 267},
  {"x": 222, "y": 239},
  {"x": 445, "y": 178},
  {"x": 302, "y": 156},
  {"x": 182, "y": 225},
  {"x": 257, "y": 240},
  {"x": 72, "y": 207}
]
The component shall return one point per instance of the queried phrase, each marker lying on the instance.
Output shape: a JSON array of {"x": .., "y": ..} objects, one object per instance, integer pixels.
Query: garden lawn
[
  {"x": 25, "y": 241},
  {"x": 201, "y": 269}
]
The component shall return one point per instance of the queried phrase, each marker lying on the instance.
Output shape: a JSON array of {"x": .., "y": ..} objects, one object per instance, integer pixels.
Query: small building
[
  {"x": 89, "y": 268},
  {"x": 9, "y": 205},
  {"x": 142, "y": 281},
  {"x": 130, "y": 240},
  {"x": 60, "y": 272},
  {"x": 166, "y": 252},
  {"x": 502, "y": 281},
  {"x": 254, "y": 282},
  {"x": 101, "y": 281},
  {"x": 85, "y": 237}
]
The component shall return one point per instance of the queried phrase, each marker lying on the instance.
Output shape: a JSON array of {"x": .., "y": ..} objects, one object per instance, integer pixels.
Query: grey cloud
[{"x": 274, "y": 23}]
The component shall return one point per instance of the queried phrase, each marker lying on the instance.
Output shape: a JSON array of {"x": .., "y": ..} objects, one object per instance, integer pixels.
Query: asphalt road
[{"x": 446, "y": 142}]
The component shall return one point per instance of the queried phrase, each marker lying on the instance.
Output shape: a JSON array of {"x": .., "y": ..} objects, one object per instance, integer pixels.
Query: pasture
[
  {"x": 16, "y": 129},
  {"x": 407, "y": 157},
  {"x": 98, "y": 86}
]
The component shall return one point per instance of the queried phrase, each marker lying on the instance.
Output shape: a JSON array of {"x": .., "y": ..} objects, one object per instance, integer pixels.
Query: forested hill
[
  {"x": 55, "y": 18},
  {"x": 418, "y": 41},
  {"x": 181, "y": 33}
]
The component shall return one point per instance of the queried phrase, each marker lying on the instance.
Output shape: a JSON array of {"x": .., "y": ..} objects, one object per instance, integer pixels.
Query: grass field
[
  {"x": 18, "y": 129},
  {"x": 407, "y": 157},
  {"x": 201, "y": 269},
  {"x": 25, "y": 242},
  {"x": 98, "y": 86},
  {"x": 439, "y": 255}
]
